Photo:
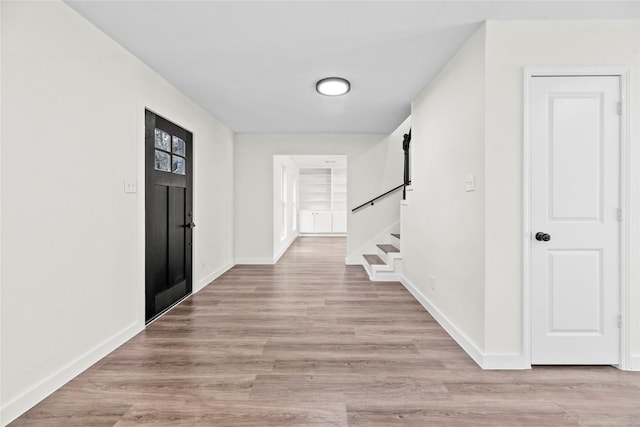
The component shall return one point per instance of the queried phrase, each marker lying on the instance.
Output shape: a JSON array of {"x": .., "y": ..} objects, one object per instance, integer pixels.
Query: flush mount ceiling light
[{"x": 333, "y": 86}]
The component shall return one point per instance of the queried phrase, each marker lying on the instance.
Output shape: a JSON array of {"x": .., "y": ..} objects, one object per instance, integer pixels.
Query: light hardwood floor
[{"x": 312, "y": 342}]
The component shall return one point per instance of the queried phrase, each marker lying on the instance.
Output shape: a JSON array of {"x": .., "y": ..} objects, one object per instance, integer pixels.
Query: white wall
[
  {"x": 1, "y": 234},
  {"x": 375, "y": 172},
  {"x": 443, "y": 252},
  {"x": 72, "y": 241},
  {"x": 511, "y": 46},
  {"x": 254, "y": 182},
  {"x": 470, "y": 120},
  {"x": 280, "y": 244}
]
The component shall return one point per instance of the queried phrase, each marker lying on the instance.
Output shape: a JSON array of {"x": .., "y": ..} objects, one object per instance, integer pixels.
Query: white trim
[
  {"x": 202, "y": 283},
  {"x": 1, "y": 409},
  {"x": 485, "y": 361},
  {"x": 626, "y": 358},
  {"x": 391, "y": 271},
  {"x": 512, "y": 361},
  {"x": 627, "y": 361},
  {"x": 595, "y": 71},
  {"x": 386, "y": 276},
  {"x": 463, "y": 341},
  {"x": 141, "y": 187},
  {"x": 284, "y": 248},
  {"x": 355, "y": 257},
  {"x": 322, "y": 234},
  {"x": 381, "y": 275},
  {"x": 40, "y": 391},
  {"x": 526, "y": 222},
  {"x": 254, "y": 261},
  {"x": 26, "y": 400},
  {"x": 634, "y": 363}
]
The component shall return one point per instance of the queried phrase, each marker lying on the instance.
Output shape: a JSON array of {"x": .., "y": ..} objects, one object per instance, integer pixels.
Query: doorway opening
[{"x": 310, "y": 198}]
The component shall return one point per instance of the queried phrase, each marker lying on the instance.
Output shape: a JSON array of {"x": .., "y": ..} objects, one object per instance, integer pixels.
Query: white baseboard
[
  {"x": 484, "y": 360},
  {"x": 268, "y": 261},
  {"x": 22, "y": 403},
  {"x": 213, "y": 276},
  {"x": 463, "y": 341},
  {"x": 323, "y": 235},
  {"x": 635, "y": 362},
  {"x": 352, "y": 261},
  {"x": 284, "y": 248},
  {"x": 504, "y": 361},
  {"x": 380, "y": 276},
  {"x": 254, "y": 261},
  {"x": 385, "y": 277}
]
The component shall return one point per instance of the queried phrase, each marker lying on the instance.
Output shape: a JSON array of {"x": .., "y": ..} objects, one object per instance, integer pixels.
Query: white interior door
[{"x": 575, "y": 201}]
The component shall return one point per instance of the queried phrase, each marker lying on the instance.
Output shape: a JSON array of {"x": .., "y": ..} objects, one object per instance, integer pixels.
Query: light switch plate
[
  {"x": 130, "y": 185},
  {"x": 470, "y": 183}
]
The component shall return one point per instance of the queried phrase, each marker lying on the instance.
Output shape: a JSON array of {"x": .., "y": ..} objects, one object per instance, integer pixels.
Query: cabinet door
[
  {"x": 306, "y": 222},
  {"x": 323, "y": 222},
  {"x": 339, "y": 222}
]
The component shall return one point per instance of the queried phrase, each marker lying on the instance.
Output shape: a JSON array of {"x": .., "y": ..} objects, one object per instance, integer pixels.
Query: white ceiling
[{"x": 254, "y": 64}]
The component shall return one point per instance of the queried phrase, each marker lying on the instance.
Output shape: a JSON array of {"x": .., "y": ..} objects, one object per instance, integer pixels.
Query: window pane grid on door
[
  {"x": 162, "y": 161},
  {"x": 178, "y": 146},
  {"x": 177, "y": 165},
  {"x": 170, "y": 153},
  {"x": 162, "y": 139}
]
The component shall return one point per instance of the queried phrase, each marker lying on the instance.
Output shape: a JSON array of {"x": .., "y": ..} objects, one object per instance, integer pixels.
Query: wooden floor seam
[{"x": 312, "y": 342}]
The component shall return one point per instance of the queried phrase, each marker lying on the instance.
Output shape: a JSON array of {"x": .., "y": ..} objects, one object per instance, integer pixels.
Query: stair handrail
[
  {"x": 407, "y": 180},
  {"x": 371, "y": 202}
]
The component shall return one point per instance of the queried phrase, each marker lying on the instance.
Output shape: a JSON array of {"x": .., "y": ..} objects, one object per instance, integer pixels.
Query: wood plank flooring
[{"x": 311, "y": 342}]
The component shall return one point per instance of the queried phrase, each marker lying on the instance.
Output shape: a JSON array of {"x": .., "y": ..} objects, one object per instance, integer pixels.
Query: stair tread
[
  {"x": 396, "y": 235},
  {"x": 374, "y": 260},
  {"x": 388, "y": 248}
]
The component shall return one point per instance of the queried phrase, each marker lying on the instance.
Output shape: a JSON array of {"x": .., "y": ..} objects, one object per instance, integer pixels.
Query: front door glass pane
[{"x": 162, "y": 161}]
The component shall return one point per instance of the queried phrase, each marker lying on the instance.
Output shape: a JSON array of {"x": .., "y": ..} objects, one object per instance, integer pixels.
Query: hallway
[{"x": 311, "y": 341}]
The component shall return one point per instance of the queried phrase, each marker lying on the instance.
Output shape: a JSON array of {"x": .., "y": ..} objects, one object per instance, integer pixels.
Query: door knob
[
  {"x": 190, "y": 225},
  {"x": 542, "y": 237}
]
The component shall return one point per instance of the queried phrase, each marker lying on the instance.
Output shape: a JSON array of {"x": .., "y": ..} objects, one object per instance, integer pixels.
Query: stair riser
[
  {"x": 382, "y": 255},
  {"x": 391, "y": 270},
  {"x": 386, "y": 273},
  {"x": 391, "y": 265},
  {"x": 388, "y": 258}
]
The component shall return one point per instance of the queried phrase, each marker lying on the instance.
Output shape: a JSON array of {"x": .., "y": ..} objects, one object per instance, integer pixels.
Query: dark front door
[{"x": 169, "y": 213}]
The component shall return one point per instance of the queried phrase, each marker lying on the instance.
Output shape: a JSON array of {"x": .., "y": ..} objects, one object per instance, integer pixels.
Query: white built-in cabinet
[
  {"x": 323, "y": 200},
  {"x": 316, "y": 222}
]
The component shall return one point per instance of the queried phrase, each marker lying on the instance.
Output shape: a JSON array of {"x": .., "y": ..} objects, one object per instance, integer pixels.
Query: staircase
[{"x": 386, "y": 264}]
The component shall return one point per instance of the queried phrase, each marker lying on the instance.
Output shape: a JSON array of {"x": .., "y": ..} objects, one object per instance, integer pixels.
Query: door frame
[
  {"x": 141, "y": 184},
  {"x": 625, "y": 181}
]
